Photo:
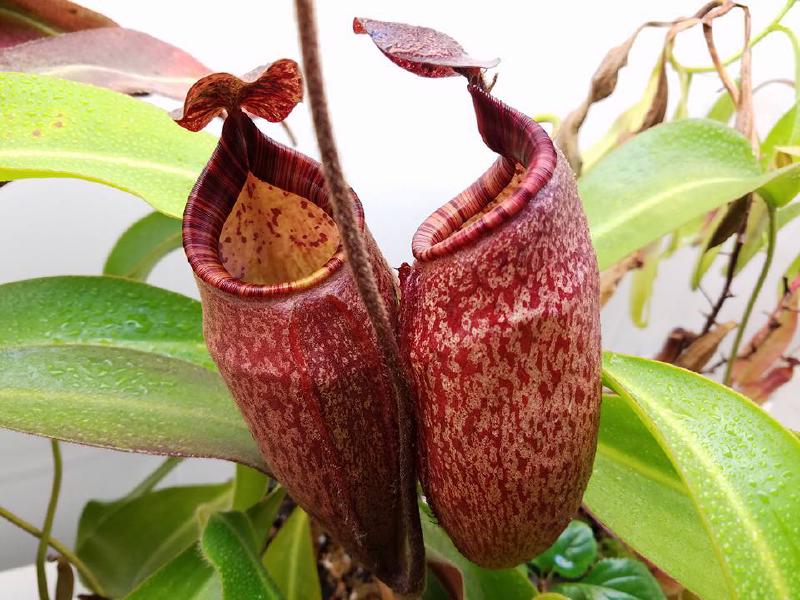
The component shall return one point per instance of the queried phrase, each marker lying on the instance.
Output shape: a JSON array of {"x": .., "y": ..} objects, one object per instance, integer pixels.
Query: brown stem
[{"x": 358, "y": 259}]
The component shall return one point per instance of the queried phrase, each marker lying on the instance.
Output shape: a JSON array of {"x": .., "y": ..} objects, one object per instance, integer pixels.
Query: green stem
[
  {"x": 149, "y": 482},
  {"x": 57, "y": 546},
  {"x": 757, "y": 38},
  {"x": 751, "y": 302},
  {"x": 44, "y": 540}
]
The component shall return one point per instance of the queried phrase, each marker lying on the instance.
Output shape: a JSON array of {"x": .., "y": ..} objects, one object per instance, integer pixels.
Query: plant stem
[
  {"x": 771, "y": 239},
  {"x": 734, "y": 57},
  {"x": 149, "y": 482},
  {"x": 44, "y": 540},
  {"x": 358, "y": 258},
  {"x": 57, "y": 546}
]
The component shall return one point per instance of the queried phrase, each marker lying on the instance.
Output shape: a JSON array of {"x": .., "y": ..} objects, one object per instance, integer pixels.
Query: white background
[{"x": 407, "y": 144}]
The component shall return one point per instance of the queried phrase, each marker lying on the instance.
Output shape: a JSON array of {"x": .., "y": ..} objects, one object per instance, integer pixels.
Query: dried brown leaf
[
  {"x": 677, "y": 341},
  {"x": 699, "y": 352},
  {"x": 271, "y": 95},
  {"x": 25, "y": 20},
  {"x": 422, "y": 50},
  {"x": 732, "y": 222},
  {"x": 120, "y": 59},
  {"x": 610, "y": 278},
  {"x": 760, "y": 390},
  {"x": 768, "y": 346}
]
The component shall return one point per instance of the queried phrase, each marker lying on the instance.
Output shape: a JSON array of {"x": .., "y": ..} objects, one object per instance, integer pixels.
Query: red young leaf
[
  {"x": 421, "y": 50},
  {"x": 123, "y": 60},
  {"x": 26, "y": 20},
  {"x": 270, "y": 94}
]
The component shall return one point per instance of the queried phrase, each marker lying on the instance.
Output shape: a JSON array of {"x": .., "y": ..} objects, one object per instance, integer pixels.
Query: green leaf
[
  {"x": 123, "y": 543},
  {"x": 122, "y": 399},
  {"x": 188, "y": 576},
  {"x": 642, "y": 281},
  {"x": 57, "y": 128},
  {"x": 571, "y": 554},
  {"x": 102, "y": 311},
  {"x": 291, "y": 561},
  {"x": 477, "y": 583},
  {"x": 142, "y": 245},
  {"x": 757, "y": 239},
  {"x": 614, "y": 579},
  {"x": 665, "y": 177},
  {"x": 263, "y": 514},
  {"x": 785, "y": 132},
  {"x": 230, "y": 546},
  {"x": 739, "y": 465},
  {"x": 657, "y": 516},
  {"x": 723, "y": 108},
  {"x": 707, "y": 254},
  {"x": 248, "y": 487}
]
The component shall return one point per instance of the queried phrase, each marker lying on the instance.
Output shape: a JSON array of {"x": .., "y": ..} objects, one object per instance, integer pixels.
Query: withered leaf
[
  {"x": 699, "y": 351},
  {"x": 761, "y": 389},
  {"x": 271, "y": 95},
  {"x": 677, "y": 341},
  {"x": 610, "y": 278},
  {"x": 422, "y": 50},
  {"x": 124, "y": 60},
  {"x": 732, "y": 222},
  {"x": 65, "y": 582},
  {"x": 767, "y": 347},
  {"x": 25, "y": 20}
]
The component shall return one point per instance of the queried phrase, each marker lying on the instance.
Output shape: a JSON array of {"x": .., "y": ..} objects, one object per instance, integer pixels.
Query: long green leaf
[
  {"x": 229, "y": 544},
  {"x": 122, "y": 399},
  {"x": 142, "y": 245},
  {"x": 740, "y": 466},
  {"x": 636, "y": 492},
  {"x": 57, "y": 128},
  {"x": 188, "y": 577},
  {"x": 123, "y": 544},
  {"x": 291, "y": 561},
  {"x": 102, "y": 311},
  {"x": 666, "y": 177}
]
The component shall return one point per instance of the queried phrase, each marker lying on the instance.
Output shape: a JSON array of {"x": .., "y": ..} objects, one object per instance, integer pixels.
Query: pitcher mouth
[
  {"x": 245, "y": 157},
  {"x": 526, "y": 163}
]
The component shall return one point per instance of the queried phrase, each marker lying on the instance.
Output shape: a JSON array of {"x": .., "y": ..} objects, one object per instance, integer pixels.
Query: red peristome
[
  {"x": 500, "y": 328},
  {"x": 271, "y": 95},
  {"x": 302, "y": 361},
  {"x": 421, "y": 50}
]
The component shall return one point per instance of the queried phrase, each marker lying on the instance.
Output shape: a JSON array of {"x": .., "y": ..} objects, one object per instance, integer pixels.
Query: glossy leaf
[
  {"x": 188, "y": 576},
  {"x": 25, "y": 20},
  {"x": 291, "y": 560},
  {"x": 475, "y": 583},
  {"x": 143, "y": 245},
  {"x": 785, "y": 132},
  {"x": 738, "y": 464},
  {"x": 614, "y": 579},
  {"x": 101, "y": 311},
  {"x": 124, "y": 60},
  {"x": 122, "y": 399},
  {"x": 421, "y": 50},
  {"x": 57, "y": 128},
  {"x": 666, "y": 177},
  {"x": 228, "y": 543},
  {"x": 572, "y": 553},
  {"x": 123, "y": 544},
  {"x": 658, "y": 517},
  {"x": 642, "y": 283}
]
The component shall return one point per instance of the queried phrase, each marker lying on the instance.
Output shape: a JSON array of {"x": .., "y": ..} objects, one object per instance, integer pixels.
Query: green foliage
[
  {"x": 248, "y": 487},
  {"x": 737, "y": 464},
  {"x": 142, "y": 245},
  {"x": 291, "y": 560},
  {"x": 614, "y": 579},
  {"x": 477, "y": 583},
  {"x": 101, "y": 311},
  {"x": 571, "y": 554},
  {"x": 123, "y": 542},
  {"x": 666, "y": 177},
  {"x": 229, "y": 544},
  {"x": 188, "y": 576},
  {"x": 66, "y": 129},
  {"x": 122, "y": 399}
]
